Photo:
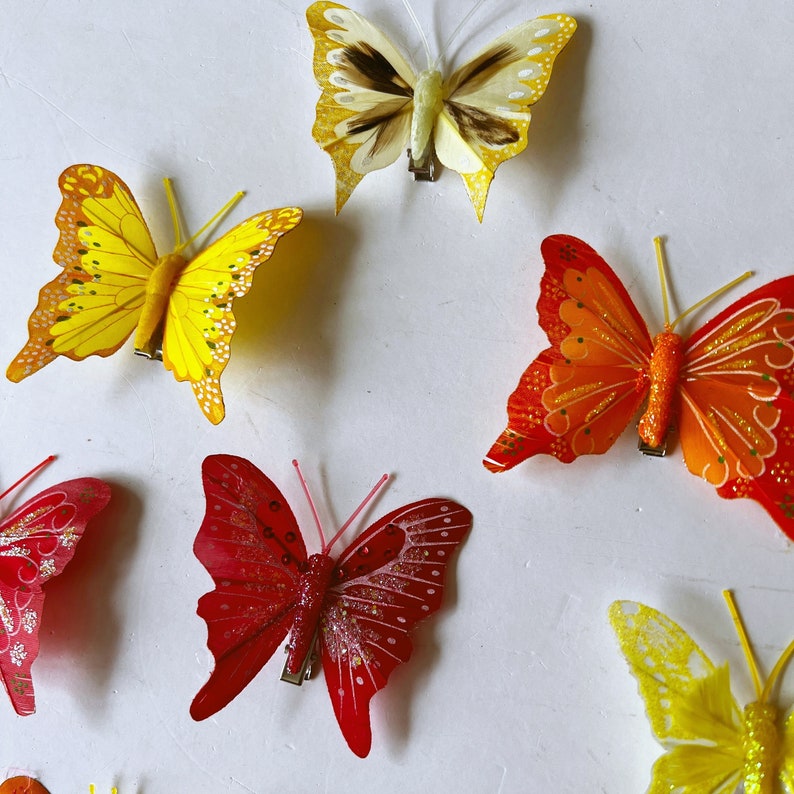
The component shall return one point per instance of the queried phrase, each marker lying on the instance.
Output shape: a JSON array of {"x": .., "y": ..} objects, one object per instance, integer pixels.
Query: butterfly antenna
[
  {"x": 660, "y": 265},
  {"x": 776, "y": 671},
  {"x": 172, "y": 207},
  {"x": 305, "y": 487},
  {"x": 180, "y": 246},
  {"x": 746, "y": 647},
  {"x": 415, "y": 20},
  {"x": 367, "y": 500},
  {"x": 715, "y": 294},
  {"x": 458, "y": 29},
  {"x": 22, "y": 479}
]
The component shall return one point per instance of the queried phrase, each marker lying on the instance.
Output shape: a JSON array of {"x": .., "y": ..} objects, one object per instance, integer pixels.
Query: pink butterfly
[
  {"x": 36, "y": 542},
  {"x": 360, "y": 609}
]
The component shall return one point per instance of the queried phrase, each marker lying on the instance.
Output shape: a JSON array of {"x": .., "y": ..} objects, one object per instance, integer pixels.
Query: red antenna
[
  {"x": 22, "y": 479},
  {"x": 326, "y": 547}
]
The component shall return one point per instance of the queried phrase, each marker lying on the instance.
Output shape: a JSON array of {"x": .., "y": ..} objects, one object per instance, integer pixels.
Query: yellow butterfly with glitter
[
  {"x": 712, "y": 745},
  {"x": 113, "y": 282}
]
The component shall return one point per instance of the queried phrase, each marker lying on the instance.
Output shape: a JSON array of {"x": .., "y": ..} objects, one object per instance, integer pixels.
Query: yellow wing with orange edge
[
  {"x": 688, "y": 701},
  {"x": 199, "y": 322},
  {"x": 107, "y": 256}
]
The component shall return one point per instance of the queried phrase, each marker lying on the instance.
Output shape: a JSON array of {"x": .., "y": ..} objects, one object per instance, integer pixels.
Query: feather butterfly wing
[
  {"x": 486, "y": 111},
  {"x": 36, "y": 542},
  {"x": 110, "y": 267},
  {"x": 384, "y": 583},
  {"x": 688, "y": 701},
  {"x": 579, "y": 394},
  {"x": 479, "y": 120},
  {"x": 736, "y": 418},
  {"x": 732, "y": 398},
  {"x": 199, "y": 323},
  {"x": 364, "y": 112},
  {"x": 250, "y": 544},
  {"x": 107, "y": 256}
]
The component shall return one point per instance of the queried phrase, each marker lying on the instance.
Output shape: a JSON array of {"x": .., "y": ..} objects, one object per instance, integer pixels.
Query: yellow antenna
[
  {"x": 748, "y": 651},
  {"x": 92, "y": 789},
  {"x": 761, "y": 694},
  {"x": 657, "y": 244},
  {"x": 660, "y": 263},
  {"x": 180, "y": 246}
]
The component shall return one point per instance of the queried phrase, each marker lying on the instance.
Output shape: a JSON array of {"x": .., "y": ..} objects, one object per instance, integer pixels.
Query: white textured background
[{"x": 387, "y": 339}]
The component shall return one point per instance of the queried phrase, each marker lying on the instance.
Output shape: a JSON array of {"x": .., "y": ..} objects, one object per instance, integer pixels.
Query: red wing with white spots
[{"x": 388, "y": 580}]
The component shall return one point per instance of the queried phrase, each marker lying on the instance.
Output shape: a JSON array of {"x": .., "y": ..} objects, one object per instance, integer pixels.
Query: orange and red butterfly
[{"x": 727, "y": 388}]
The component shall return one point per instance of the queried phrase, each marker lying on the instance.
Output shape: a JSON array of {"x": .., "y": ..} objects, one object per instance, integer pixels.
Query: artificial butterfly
[
  {"x": 113, "y": 282},
  {"x": 712, "y": 745},
  {"x": 373, "y": 105},
  {"x": 36, "y": 542},
  {"x": 360, "y": 609},
  {"x": 22, "y": 784},
  {"x": 727, "y": 388}
]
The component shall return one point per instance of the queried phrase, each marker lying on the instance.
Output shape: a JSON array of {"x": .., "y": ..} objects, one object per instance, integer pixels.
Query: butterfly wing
[
  {"x": 22, "y": 785},
  {"x": 388, "y": 580},
  {"x": 364, "y": 112},
  {"x": 486, "y": 102},
  {"x": 688, "y": 701},
  {"x": 736, "y": 417},
  {"x": 107, "y": 255},
  {"x": 250, "y": 544},
  {"x": 579, "y": 394},
  {"x": 36, "y": 542},
  {"x": 199, "y": 322}
]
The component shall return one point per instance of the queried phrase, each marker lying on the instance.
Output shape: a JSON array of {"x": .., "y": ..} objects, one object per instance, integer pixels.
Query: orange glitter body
[{"x": 666, "y": 361}]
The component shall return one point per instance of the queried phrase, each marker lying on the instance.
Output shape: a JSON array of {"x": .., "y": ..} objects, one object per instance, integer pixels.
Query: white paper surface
[{"x": 387, "y": 339}]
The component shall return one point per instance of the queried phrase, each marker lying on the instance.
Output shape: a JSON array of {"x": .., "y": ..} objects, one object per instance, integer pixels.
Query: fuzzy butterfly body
[
  {"x": 361, "y": 608},
  {"x": 114, "y": 283},
  {"x": 373, "y": 105},
  {"x": 36, "y": 542},
  {"x": 711, "y": 744},
  {"x": 727, "y": 388}
]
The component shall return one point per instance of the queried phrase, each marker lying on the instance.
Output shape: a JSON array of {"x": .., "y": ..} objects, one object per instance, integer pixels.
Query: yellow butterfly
[
  {"x": 113, "y": 282},
  {"x": 373, "y": 104},
  {"x": 712, "y": 745}
]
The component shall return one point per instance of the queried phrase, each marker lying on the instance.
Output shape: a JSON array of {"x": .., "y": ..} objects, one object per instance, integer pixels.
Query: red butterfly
[
  {"x": 727, "y": 388},
  {"x": 360, "y": 610},
  {"x": 36, "y": 542}
]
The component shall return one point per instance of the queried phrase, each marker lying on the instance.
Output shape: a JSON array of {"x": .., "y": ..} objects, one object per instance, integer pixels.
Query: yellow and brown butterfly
[{"x": 373, "y": 104}]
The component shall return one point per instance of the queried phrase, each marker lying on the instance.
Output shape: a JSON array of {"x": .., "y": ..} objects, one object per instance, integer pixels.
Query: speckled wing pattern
[
  {"x": 487, "y": 101},
  {"x": 388, "y": 579},
  {"x": 108, "y": 257},
  {"x": 688, "y": 701},
  {"x": 250, "y": 544},
  {"x": 106, "y": 254},
  {"x": 36, "y": 542},
  {"x": 733, "y": 406},
  {"x": 580, "y": 393},
  {"x": 199, "y": 322},
  {"x": 364, "y": 112}
]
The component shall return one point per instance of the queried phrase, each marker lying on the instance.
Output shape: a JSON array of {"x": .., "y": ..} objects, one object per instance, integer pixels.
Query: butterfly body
[
  {"x": 113, "y": 283},
  {"x": 727, "y": 387},
  {"x": 711, "y": 744},
  {"x": 763, "y": 749},
  {"x": 373, "y": 105},
  {"x": 312, "y": 587},
  {"x": 159, "y": 288},
  {"x": 664, "y": 369},
  {"x": 361, "y": 606}
]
